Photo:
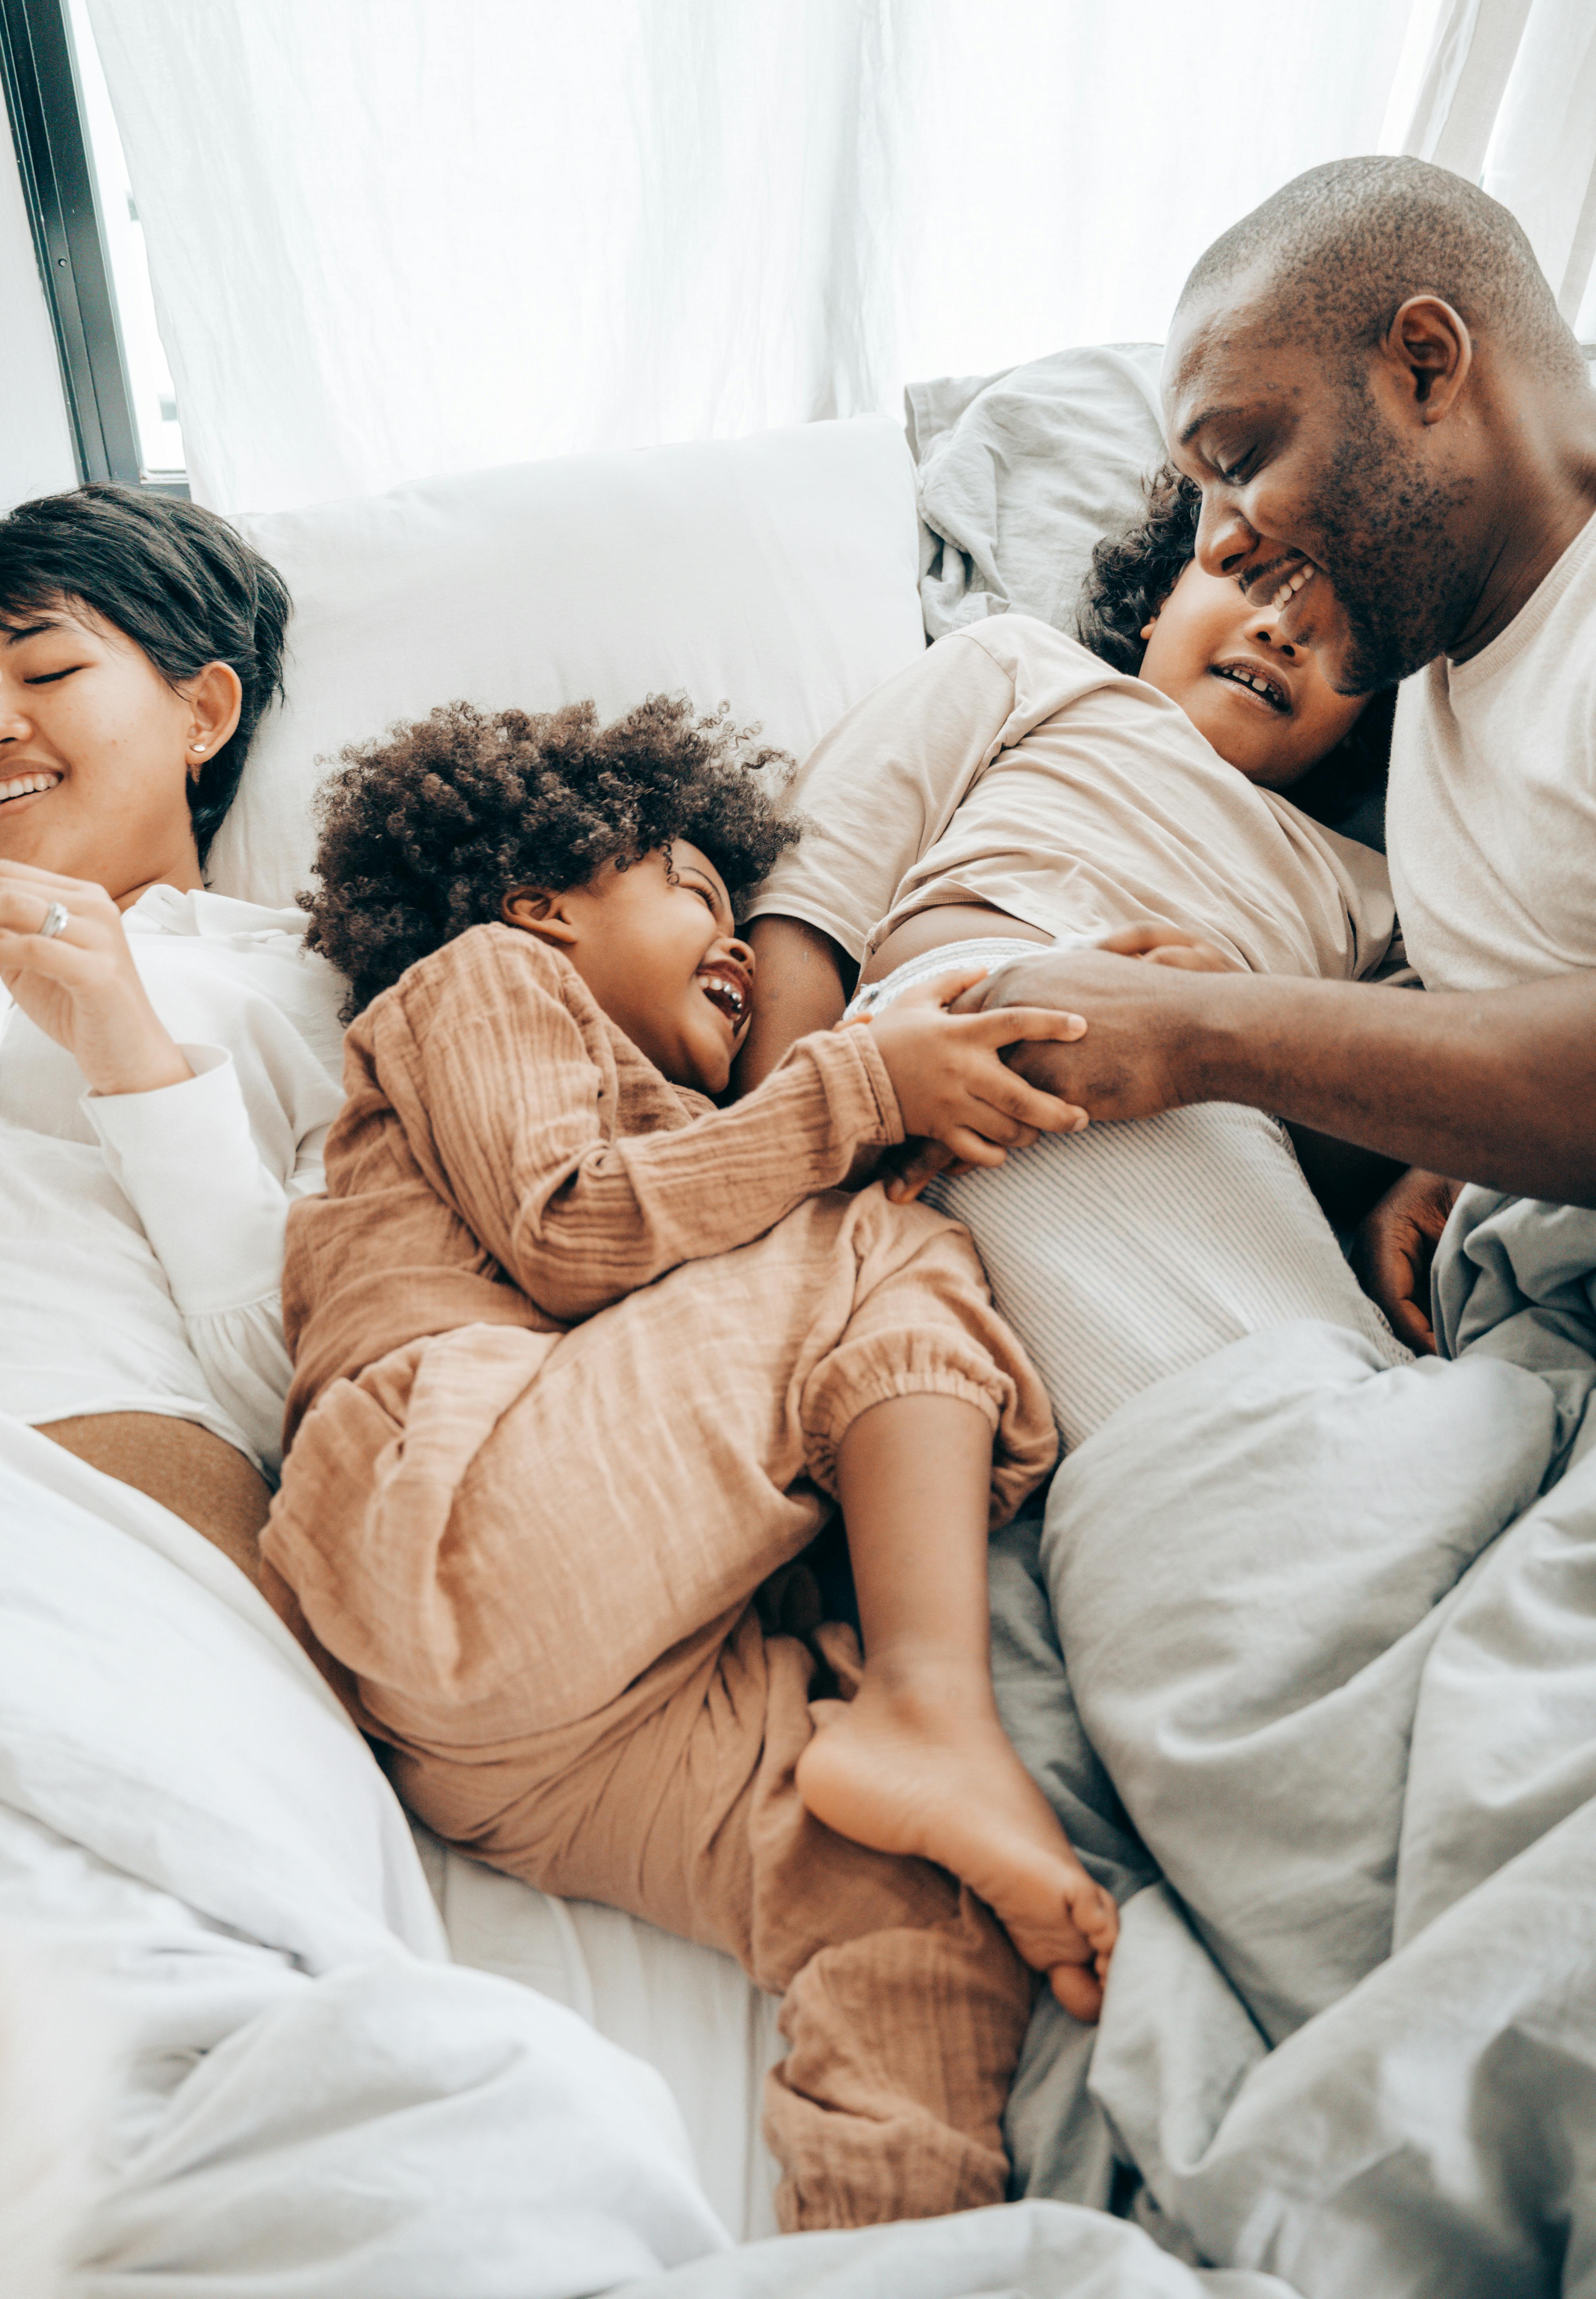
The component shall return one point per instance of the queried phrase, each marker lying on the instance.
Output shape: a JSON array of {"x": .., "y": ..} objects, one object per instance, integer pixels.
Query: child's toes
[
  {"x": 1095, "y": 1916},
  {"x": 1078, "y": 1990}
]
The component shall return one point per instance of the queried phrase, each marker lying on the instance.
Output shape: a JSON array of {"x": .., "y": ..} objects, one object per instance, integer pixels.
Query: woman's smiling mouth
[{"x": 27, "y": 785}]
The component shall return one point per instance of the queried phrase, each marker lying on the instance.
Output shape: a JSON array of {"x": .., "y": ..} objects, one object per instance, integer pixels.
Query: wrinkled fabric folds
[{"x": 1332, "y": 1629}]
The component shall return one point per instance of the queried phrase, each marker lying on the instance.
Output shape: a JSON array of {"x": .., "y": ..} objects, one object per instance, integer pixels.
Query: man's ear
[
  {"x": 537, "y": 911},
  {"x": 1429, "y": 346}
]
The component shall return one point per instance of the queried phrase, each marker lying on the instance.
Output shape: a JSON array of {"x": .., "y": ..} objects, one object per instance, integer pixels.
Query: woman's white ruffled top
[{"x": 141, "y": 1234}]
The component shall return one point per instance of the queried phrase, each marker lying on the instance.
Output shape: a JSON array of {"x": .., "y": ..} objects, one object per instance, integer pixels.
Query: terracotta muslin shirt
[{"x": 549, "y": 1169}]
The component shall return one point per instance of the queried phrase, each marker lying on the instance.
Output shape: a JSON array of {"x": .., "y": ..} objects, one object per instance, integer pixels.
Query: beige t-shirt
[
  {"x": 1492, "y": 815},
  {"x": 1012, "y": 766}
]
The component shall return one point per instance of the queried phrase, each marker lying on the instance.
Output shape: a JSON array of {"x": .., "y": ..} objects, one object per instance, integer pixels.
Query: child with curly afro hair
[
  {"x": 423, "y": 833},
  {"x": 580, "y": 1358}
]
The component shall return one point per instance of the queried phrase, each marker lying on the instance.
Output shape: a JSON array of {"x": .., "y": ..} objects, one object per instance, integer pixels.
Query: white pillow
[
  {"x": 777, "y": 573},
  {"x": 1020, "y": 474}
]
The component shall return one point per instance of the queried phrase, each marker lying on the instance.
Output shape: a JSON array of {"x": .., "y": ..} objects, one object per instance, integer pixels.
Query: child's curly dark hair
[
  {"x": 1134, "y": 573},
  {"x": 1131, "y": 576},
  {"x": 425, "y": 832}
]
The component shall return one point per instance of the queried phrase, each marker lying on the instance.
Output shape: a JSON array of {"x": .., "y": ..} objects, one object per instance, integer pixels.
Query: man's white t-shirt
[{"x": 1491, "y": 821}]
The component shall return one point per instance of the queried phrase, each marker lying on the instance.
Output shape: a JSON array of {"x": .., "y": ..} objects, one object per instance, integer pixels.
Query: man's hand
[
  {"x": 1394, "y": 1249},
  {"x": 1120, "y": 1074},
  {"x": 952, "y": 1084},
  {"x": 1129, "y": 1063}
]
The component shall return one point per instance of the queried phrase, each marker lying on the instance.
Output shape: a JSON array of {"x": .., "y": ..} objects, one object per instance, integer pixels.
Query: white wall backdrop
[
  {"x": 36, "y": 443},
  {"x": 390, "y": 238}
]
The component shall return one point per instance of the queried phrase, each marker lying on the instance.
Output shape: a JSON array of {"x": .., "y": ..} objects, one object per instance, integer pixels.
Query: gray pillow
[{"x": 1019, "y": 474}]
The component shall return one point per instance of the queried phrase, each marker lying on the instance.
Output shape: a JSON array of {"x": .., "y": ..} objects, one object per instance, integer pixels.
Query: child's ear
[
  {"x": 536, "y": 911},
  {"x": 1147, "y": 629}
]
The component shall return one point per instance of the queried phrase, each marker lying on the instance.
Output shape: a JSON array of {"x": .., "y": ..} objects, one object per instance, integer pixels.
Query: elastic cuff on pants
[{"x": 828, "y": 1416}]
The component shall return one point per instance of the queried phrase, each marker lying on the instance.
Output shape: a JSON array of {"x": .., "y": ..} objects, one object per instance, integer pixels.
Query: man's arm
[{"x": 1494, "y": 1086}]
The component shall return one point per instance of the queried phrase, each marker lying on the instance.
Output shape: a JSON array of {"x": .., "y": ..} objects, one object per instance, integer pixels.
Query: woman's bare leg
[{"x": 918, "y": 1761}]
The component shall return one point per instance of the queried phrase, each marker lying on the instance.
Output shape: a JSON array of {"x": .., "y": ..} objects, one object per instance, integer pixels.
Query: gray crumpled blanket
[
  {"x": 1019, "y": 474},
  {"x": 1332, "y": 1631}
]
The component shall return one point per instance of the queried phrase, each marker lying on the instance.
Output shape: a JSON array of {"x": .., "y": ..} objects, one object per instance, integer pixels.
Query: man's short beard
[{"x": 1388, "y": 530}]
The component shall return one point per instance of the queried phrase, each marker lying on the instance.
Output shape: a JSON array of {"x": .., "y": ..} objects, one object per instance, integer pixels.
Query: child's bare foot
[{"x": 930, "y": 1771}]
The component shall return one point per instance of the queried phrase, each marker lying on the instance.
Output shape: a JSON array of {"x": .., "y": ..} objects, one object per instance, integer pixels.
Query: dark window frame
[{"x": 43, "y": 103}]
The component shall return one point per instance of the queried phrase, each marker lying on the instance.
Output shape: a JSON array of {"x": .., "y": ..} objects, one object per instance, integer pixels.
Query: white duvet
[
  {"x": 249, "y": 2022},
  {"x": 308, "y": 2098},
  {"x": 1340, "y": 1660}
]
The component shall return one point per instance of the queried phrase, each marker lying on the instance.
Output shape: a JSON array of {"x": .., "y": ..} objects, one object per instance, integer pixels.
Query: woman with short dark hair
[{"x": 169, "y": 1061}]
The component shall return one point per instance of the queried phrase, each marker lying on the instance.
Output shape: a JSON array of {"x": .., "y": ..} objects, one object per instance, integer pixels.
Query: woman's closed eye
[{"x": 50, "y": 677}]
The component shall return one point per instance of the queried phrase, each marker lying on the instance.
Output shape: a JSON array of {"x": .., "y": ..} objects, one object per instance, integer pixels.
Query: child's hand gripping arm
[{"x": 952, "y": 1084}]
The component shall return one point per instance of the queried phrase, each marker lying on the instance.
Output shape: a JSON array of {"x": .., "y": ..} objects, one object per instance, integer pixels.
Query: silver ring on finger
[{"x": 55, "y": 920}]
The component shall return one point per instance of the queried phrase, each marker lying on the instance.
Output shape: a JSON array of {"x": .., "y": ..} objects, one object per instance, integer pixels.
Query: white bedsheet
[
  {"x": 693, "y": 2015},
  {"x": 311, "y": 2102}
]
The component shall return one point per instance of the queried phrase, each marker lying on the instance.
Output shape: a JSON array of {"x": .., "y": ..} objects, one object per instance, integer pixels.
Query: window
[{"x": 90, "y": 247}]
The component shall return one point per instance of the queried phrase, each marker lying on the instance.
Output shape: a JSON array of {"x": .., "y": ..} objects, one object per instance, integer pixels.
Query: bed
[
  {"x": 1349, "y": 2050},
  {"x": 778, "y": 573},
  {"x": 787, "y": 574}
]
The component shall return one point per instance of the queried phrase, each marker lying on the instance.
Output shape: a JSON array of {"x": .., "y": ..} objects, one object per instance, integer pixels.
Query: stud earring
[{"x": 198, "y": 746}]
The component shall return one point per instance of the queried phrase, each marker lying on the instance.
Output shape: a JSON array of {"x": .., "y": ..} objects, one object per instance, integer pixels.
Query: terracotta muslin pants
[{"x": 537, "y": 1556}]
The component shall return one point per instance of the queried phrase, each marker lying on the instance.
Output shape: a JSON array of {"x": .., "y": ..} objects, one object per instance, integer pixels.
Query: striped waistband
[{"x": 991, "y": 951}]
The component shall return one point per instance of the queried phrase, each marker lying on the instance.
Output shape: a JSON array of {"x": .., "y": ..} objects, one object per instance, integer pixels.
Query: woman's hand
[
  {"x": 81, "y": 986},
  {"x": 952, "y": 1084},
  {"x": 1394, "y": 1247}
]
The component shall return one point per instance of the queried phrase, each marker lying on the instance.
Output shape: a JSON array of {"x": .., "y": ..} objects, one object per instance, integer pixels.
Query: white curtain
[
  {"x": 1504, "y": 91},
  {"x": 390, "y": 238}
]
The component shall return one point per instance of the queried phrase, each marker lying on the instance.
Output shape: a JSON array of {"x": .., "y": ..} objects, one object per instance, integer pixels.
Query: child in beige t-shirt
[
  {"x": 1016, "y": 787},
  {"x": 1015, "y": 780}
]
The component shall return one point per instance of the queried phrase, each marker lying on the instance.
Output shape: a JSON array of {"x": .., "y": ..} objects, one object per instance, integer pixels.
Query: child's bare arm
[{"x": 799, "y": 987}]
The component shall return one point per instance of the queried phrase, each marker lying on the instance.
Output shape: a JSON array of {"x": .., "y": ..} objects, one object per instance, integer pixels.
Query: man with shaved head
[{"x": 1394, "y": 434}]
